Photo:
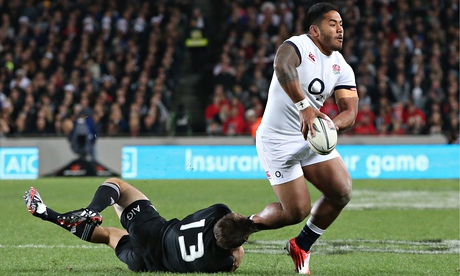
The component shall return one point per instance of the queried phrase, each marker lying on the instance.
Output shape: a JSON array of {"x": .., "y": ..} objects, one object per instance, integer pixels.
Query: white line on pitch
[
  {"x": 321, "y": 247},
  {"x": 349, "y": 245},
  {"x": 370, "y": 199},
  {"x": 47, "y": 246}
]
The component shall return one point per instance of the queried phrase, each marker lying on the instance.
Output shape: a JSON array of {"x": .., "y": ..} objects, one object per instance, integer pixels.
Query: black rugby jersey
[{"x": 189, "y": 244}]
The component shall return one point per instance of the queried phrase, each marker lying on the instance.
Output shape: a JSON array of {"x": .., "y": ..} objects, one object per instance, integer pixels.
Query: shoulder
[
  {"x": 221, "y": 208},
  {"x": 298, "y": 39},
  {"x": 216, "y": 210},
  {"x": 339, "y": 58},
  {"x": 301, "y": 44}
]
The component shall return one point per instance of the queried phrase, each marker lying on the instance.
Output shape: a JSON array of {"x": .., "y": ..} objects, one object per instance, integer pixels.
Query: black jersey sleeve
[{"x": 189, "y": 245}]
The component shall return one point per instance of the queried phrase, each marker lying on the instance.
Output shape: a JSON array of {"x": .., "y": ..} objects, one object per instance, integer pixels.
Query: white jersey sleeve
[{"x": 319, "y": 76}]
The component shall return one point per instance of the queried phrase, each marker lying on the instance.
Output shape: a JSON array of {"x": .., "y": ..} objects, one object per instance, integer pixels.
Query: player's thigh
[
  {"x": 130, "y": 255},
  {"x": 293, "y": 195},
  {"x": 331, "y": 177},
  {"x": 143, "y": 222}
]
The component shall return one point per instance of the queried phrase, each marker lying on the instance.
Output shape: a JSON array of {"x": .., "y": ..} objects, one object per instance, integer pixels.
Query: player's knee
[
  {"x": 345, "y": 194},
  {"x": 114, "y": 180},
  {"x": 344, "y": 199},
  {"x": 117, "y": 181}
]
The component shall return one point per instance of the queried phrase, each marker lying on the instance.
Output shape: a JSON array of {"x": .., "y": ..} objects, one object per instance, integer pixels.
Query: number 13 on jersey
[{"x": 196, "y": 251}]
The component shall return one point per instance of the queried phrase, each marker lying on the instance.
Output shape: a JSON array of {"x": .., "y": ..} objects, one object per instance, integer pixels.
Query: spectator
[
  {"x": 414, "y": 119},
  {"x": 197, "y": 39},
  {"x": 261, "y": 83},
  {"x": 234, "y": 123},
  {"x": 383, "y": 121},
  {"x": 241, "y": 95},
  {"x": 235, "y": 103},
  {"x": 364, "y": 126},
  {"x": 364, "y": 98},
  {"x": 213, "y": 109},
  {"x": 134, "y": 126},
  {"x": 400, "y": 88},
  {"x": 4, "y": 127},
  {"x": 182, "y": 121},
  {"x": 417, "y": 93},
  {"x": 150, "y": 123},
  {"x": 435, "y": 124},
  {"x": 117, "y": 124},
  {"x": 252, "y": 123},
  {"x": 21, "y": 80},
  {"x": 397, "y": 119},
  {"x": 453, "y": 128},
  {"x": 224, "y": 73},
  {"x": 397, "y": 127},
  {"x": 163, "y": 115},
  {"x": 242, "y": 77},
  {"x": 214, "y": 114}
]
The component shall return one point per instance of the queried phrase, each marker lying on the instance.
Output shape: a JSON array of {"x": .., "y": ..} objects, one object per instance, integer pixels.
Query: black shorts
[{"x": 141, "y": 249}]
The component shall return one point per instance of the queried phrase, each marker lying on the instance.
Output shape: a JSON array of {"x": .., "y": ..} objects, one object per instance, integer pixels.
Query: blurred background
[{"x": 162, "y": 68}]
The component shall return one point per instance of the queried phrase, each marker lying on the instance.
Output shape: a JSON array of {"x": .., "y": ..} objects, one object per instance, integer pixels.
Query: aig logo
[
  {"x": 18, "y": 163},
  {"x": 136, "y": 210}
]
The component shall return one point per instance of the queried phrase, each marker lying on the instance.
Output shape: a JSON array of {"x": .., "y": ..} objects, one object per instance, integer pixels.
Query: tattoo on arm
[{"x": 286, "y": 61}]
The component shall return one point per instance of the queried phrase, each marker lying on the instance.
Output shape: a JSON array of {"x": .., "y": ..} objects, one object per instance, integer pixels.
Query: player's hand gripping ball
[{"x": 325, "y": 138}]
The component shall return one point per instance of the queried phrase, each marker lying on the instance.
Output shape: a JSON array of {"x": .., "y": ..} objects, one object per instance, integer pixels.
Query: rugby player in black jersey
[{"x": 209, "y": 240}]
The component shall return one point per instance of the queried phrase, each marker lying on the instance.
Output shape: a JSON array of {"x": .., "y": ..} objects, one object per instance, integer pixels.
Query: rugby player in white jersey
[{"x": 307, "y": 70}]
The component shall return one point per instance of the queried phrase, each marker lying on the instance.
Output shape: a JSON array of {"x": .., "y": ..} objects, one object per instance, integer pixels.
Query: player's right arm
[{"x": 286, "y": 61}]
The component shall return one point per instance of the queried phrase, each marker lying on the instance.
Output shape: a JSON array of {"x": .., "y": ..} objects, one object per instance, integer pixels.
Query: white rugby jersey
[{"x": 319, "y": 77}]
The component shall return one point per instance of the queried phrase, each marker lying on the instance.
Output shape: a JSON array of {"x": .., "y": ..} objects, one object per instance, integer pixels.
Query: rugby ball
[{"x": 325, "y": 138}]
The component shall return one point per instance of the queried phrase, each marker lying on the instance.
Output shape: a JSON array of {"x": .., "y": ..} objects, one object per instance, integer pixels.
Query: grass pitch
[{"x": 391, "y": 227}]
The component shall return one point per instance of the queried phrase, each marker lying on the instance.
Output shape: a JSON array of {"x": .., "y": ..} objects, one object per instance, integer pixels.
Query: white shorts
[{"x": 283, "y": 157}]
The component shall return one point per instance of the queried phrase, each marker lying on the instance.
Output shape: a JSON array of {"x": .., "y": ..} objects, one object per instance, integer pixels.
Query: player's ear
[{"x": 314, "y": 30}]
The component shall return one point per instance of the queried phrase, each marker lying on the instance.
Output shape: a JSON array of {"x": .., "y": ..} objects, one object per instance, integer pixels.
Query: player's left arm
[
  {"x": 237, "y": 254},
  {"x": 347, "y": 101}
]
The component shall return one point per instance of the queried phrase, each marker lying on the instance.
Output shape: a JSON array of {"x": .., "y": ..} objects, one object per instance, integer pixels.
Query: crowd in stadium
[
  {"x": 117, "y": 62},
  {"x": 120, "y": 63}
]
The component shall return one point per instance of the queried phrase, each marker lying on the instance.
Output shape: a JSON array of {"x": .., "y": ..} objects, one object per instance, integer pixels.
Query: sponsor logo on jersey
[
  {"x": 336, "y": 69},
  {"x": 268, "y": 174},
  {"x": 311, "y": 57}
]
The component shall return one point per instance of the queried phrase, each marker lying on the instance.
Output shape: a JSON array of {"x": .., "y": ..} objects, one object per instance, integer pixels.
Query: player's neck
[{"x": 320, "y": 47}]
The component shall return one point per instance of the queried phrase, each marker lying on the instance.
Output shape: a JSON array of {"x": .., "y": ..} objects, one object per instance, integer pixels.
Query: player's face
[{"x": 331, "y": 32}]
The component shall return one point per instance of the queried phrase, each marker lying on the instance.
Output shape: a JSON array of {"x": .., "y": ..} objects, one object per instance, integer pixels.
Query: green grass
[{"x": 397, "y": 227}]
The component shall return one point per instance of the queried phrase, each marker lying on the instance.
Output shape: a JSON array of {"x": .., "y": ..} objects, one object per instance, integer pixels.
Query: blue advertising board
[
  {"x": 401, "y": 161},
  {"x": 241, "y": 162},
  {"x": 190, "y": 162},
  {"x": 18, "y": 163}
]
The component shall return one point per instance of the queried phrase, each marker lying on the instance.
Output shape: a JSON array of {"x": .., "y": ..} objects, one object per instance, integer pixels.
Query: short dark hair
[
  {"x": 232, "y": 230},
  {"x": 316, "y": 13}
]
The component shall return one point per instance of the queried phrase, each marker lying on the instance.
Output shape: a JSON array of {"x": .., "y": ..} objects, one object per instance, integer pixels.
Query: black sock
[
  {"x": 106, "y": 195},
  {"x": 308, "y": 236},
  {"x": 82, "y": 231}
]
